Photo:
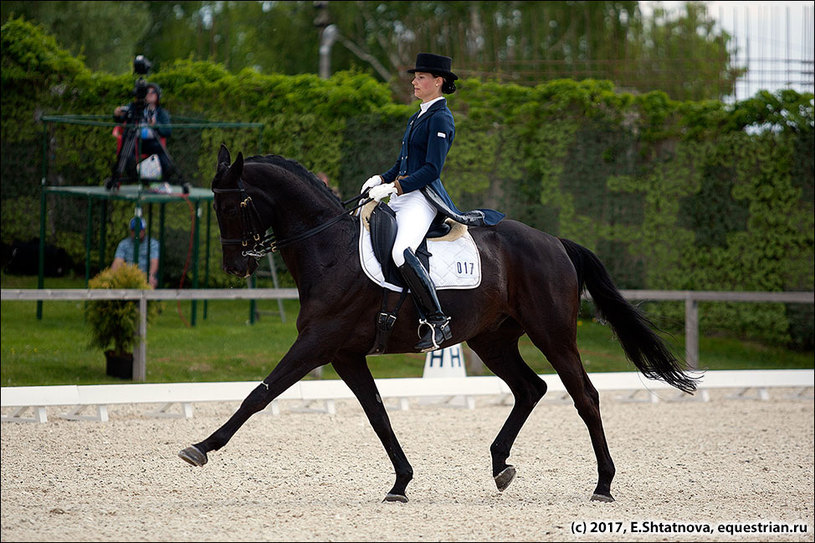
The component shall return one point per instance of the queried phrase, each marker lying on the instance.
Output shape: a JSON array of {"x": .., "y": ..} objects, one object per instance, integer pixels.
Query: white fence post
[
  {"x": 140, "y": 350},
  {"x": 692, "y": 333}
]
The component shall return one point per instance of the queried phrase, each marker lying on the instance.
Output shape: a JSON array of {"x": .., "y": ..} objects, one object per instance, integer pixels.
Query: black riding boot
[{"x": 435, "y": 323}]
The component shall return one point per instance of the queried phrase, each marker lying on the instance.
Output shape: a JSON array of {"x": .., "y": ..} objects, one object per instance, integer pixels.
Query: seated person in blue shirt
[{"x": 125, "y": 251}]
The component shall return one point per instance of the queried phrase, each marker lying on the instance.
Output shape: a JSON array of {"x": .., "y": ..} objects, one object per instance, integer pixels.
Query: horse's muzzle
[{"x": 245, "y": 270}]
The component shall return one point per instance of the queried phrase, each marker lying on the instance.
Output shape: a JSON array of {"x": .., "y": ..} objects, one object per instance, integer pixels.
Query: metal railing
[{"x": 690, "y": 297}]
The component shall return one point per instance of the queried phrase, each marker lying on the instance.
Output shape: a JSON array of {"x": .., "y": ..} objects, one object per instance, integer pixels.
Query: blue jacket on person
[{"x": 424, "y": 149}]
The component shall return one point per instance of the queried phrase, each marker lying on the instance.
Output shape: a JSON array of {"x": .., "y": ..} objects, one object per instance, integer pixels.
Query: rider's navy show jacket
[{"x": 424, "y": 149}]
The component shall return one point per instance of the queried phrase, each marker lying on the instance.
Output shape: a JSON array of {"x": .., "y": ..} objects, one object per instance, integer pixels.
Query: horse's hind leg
[
  {"x": 499, "y": 351},
  {"x": 354, "y": 371},
  {"x": 565, "y": 359}
]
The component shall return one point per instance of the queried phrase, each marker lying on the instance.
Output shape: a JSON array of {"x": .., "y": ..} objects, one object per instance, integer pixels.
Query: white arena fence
[
  {"x": 28, "y": 404},
  {"x": 80, "y": 397}
]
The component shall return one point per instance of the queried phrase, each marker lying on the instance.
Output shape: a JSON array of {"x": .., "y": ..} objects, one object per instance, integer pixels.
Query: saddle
[{"x": 382, "y": 224}]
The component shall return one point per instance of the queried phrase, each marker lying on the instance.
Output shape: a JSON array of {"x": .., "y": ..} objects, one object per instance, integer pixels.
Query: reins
[{"x": 267, "y": 243}]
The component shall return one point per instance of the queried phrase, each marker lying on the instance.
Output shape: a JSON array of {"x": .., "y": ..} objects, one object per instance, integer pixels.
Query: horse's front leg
[
  {"x": 353, "y": 369},
  {"x": 306, "y": 354}
]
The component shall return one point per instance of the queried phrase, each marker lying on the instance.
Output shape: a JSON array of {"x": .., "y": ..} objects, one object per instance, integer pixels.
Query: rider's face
[{"x": 426, "y": 87}]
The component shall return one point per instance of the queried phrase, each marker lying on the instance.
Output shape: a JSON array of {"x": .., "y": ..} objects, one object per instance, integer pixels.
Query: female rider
[{"x": 416, "y": 191}]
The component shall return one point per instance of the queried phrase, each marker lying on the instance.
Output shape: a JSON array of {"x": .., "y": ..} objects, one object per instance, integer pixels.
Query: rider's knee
[{"x": 398, "y": 255}]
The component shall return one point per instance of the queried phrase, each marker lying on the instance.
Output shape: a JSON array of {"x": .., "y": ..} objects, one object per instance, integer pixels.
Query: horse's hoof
[
  {"x": 601, "y": 498},
  {"x": 503, "y": 479},
  {"x": 401, "y": 498},
  {"x": 193, "y": 456}
]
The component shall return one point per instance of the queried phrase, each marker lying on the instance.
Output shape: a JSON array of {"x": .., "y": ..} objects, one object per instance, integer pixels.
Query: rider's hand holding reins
[
  {"x": 382, "y": 191},
  {"x": 372, "y": 181}
]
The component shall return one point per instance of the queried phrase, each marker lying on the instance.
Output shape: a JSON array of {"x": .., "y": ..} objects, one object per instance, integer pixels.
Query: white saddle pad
[{"x": 454, "y": 263}]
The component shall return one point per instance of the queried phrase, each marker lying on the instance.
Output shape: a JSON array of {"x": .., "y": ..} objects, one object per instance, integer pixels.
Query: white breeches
[{"x": 414, "y": 213}]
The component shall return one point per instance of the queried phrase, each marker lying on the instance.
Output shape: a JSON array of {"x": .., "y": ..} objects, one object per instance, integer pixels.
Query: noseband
[{"x": 251, "y": 225}]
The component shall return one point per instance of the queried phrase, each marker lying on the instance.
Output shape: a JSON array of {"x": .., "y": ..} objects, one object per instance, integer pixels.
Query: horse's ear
[
  {"x": 223, "y": 156},
  {"x": 235, "y": 171}
]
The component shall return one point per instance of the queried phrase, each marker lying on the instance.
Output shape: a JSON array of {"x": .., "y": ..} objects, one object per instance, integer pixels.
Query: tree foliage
[
  {"x": 102, "y": 34},
  {"x": 521, "y": 42}
]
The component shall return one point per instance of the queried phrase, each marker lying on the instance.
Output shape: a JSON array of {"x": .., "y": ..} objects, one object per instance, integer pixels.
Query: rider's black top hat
[{"x": 434, "y": 64}]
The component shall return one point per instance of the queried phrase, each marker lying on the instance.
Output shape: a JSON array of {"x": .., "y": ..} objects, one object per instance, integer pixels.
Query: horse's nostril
[{"x": 231, "y": 270}]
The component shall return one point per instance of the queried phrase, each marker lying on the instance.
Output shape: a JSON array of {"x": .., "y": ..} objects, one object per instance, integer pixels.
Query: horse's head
[
  {"x": 228, "y": 199},
  {"x": 264, "y": 193}
]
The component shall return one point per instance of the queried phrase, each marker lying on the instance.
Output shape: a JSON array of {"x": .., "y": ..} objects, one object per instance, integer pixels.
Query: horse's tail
[{"x": 635, "y": 332}]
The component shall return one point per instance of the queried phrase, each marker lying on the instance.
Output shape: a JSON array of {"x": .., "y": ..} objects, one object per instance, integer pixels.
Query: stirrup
[{"x": 443, "y": 328}]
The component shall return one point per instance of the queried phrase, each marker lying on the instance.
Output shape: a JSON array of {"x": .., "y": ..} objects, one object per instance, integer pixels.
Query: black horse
[{"x": 531, "y": 284}]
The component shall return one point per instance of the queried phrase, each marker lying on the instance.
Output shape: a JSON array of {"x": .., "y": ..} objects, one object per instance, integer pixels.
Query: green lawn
[{"x": 223, "y": 346}]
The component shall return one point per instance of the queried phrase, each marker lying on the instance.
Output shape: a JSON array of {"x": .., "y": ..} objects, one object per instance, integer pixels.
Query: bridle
[{"x": 256, "y": 244}]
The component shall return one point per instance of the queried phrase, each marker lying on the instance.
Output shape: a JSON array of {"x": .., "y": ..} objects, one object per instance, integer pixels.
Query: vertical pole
[
  {"x": 140, "y": 350},
  {"x": 691, "y": 332},
  {"x": 277, "y": 285},
  {"x": 88, "y": 236},
  {"x": 148, "y": 236},
  {"x": 161, "y": 247},
  {"x": 206, "y": 255},
  {"x": 137, "y": 235},
  {"x": 196, "y": 241},
  {"x": 328, "y": 36},
  {"x": 252, "y": 302},
  {"x": 103, "y": 228},
  {"x": 41, "y": 266},
  {"x": 138, "y": 159}
]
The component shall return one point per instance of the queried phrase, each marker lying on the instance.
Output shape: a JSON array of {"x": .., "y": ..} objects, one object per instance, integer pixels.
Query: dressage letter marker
[{"x": 447, "y": 362}]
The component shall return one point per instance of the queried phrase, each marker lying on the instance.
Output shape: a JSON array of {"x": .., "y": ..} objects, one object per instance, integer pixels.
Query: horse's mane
[{"x": 294, "y": 167}]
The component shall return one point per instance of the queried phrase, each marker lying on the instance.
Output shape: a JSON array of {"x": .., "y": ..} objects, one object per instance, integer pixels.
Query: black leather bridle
[{"x": 256, "y": 245}]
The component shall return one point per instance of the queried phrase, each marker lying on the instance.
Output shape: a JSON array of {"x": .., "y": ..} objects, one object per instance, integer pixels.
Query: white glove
[
  {"x": 372, "y": 181},
  {"x": 382, "y": 191}
]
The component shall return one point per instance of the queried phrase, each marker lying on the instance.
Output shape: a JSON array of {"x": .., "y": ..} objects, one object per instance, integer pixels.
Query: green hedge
[{"x": 671, "y": 195}]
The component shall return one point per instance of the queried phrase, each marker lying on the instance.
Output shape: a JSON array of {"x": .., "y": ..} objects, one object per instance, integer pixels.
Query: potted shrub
[{"x": 114, "y": 323}]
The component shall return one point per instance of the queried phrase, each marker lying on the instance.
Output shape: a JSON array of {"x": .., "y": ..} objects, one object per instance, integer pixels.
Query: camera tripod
[{"x": 131, "y": 150}]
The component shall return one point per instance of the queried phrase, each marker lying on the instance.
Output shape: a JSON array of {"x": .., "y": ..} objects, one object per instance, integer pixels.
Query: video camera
[{"x": 142, "y": 67}]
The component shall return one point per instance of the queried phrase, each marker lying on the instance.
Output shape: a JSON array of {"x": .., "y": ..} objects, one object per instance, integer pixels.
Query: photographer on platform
[
  {"x": 145, "y": 127},
  {"x": 154, "y": 124}
]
